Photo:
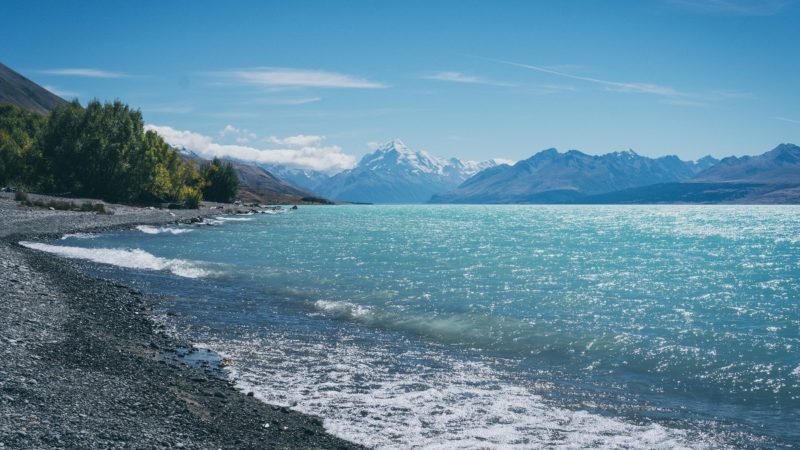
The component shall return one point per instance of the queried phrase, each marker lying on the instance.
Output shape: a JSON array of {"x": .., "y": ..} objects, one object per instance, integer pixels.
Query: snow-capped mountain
[{"x": 395, "y": 174}]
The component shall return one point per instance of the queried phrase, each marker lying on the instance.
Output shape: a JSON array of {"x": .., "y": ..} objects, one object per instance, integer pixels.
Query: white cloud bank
[{"x": 306, "y": 153}]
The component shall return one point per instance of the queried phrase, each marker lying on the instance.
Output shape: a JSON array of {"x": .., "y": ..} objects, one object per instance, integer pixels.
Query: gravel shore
[{"x": 82, "y": 365}]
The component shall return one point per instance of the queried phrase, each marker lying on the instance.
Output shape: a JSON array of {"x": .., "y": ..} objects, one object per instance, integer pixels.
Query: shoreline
[{"x": 83, "y": 363}]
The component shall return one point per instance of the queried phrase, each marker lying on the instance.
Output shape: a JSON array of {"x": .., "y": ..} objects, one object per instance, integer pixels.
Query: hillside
[
  {"x": 258, "y": 185},
  {"x": 19, "y": 91}
]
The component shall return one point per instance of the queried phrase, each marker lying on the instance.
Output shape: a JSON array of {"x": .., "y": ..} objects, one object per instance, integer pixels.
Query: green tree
[
  {"x": 102, "y": 151},
  {"x": 19, "y": 145},
  {"x": 221, "y": 181}
]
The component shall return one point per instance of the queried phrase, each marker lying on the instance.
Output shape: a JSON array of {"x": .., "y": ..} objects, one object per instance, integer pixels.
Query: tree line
[{"x": 103, "y": 151}]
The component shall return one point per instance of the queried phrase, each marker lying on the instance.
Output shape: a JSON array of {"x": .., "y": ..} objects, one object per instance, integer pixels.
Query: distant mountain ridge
[
  {"x": 304, "y": 178},
  {"x": 551, "y": 176},
  {"x": 395, "y": 174},
  {"x": 625, "y": 177},
  {"x": 780, "y": 165},
  {"x": 19, "y": 91}
]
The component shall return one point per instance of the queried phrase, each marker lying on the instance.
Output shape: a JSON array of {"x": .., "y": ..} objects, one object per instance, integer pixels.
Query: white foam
[
  {"x": 79, "y": 236},
  {"x": 158, "y": 230},
  {"x": 453, "y": 404},
  {"x": 234, "y": 219},
  {"x": 133, "y": 259},
  {"x": 342, "y": 310}
]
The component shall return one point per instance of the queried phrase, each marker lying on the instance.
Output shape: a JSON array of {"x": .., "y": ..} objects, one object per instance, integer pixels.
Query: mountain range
[
  {"x": 550, "y": 176},
  {"x": 395, "y": 174},
  {"x": 625, "y": 177}
]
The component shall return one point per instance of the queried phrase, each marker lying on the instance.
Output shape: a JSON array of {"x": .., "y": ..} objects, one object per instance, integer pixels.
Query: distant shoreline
[{"x": 85, "y": 366}]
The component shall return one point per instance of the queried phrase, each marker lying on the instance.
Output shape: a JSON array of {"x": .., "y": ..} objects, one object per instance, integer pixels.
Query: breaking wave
[
  {"x": 147, "y": 229},
  {"x": 128, "y": 258}
]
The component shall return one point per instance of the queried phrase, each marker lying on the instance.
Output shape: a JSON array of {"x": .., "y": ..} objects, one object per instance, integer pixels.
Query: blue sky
[{"x": 322, "y": 81}]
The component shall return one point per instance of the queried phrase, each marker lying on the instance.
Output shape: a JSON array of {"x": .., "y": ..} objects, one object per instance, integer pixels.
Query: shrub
[{"x": 190, "y": 197}]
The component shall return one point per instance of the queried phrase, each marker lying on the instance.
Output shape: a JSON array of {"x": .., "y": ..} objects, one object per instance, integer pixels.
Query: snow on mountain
[{"x": 393, "y": 173}]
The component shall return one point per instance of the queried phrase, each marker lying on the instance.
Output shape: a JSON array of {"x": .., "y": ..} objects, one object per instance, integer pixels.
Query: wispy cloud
[
  {"x": 786, "y": 119},
  {"x": 642, "y": 88},
  {"x": 274, "y": 77},
  {"x": 733, "y": 7},
  {"x": 84, "y": 72},
  {"x": 62, "y": 93},
  {"x": 328, "y": 158},
  {"x": 458, "y": 77},
  {"x": 291, "y": 101},
  {"x": 672, "y": 95}
]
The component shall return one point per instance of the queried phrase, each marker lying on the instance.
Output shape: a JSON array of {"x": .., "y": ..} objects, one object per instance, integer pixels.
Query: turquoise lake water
[{"x": 494, "y": 326}]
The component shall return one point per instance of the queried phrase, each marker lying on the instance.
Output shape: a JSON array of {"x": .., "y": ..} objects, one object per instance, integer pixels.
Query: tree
[
  {"x": 19, "y": 145},
  {"x": 102, "y": 151},
  {"x": 221, "y": 181}
]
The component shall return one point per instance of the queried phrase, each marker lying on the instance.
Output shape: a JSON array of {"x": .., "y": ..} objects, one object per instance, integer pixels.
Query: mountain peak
[
  {"x": 394, "y": 144},
  {"x": 784, "y": 148},
  {"x": 393, "y": 173}
]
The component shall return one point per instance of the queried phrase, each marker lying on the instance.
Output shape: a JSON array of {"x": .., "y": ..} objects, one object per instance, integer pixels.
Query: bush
[
  {"x": 21, "y": 196},
  {"x": 190, "y": 197}
]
